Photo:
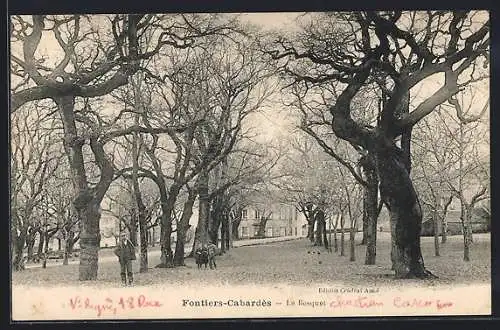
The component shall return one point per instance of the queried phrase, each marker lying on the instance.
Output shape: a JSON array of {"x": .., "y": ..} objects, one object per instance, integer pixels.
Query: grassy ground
[{"x": 289, "y": 262}]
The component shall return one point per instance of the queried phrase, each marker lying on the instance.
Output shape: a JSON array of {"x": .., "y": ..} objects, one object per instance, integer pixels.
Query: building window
[
  {"x": 256, "y": 214},
  {"x": 244, "y": 231},
  {"x": 244, "y": 214}
]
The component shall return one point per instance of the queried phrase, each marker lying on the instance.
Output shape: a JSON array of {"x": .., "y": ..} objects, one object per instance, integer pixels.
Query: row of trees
[
  {"x": 142, "y": 98},
  {"x": 40, "y": 204},
  {"x": 354, "y": 77},
  {"x": 450, "y": 153},
  {"x": 164, "y": 100}
]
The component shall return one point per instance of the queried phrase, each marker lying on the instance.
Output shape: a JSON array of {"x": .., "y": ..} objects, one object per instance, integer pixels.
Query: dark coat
[{"x": 125, "y": 252}]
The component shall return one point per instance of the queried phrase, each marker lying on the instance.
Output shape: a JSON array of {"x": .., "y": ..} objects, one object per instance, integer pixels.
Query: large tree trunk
[
  {"x": 261, "y": 230},
  {"x": 442, "y": 218},
  {"x": 330, "y": 234},
  {"x": 73, "y": 241},
  {"x": 144, "y": 243},
  {"x": 365, "y": 220},
  {"x": 46, "y": 249},
  {"x": 191, "y": 254},
  {"x": 444, "y": 230},
  {"x": 326, "y": 243},
  {"x": 309, "y": 213},
  {"x": 352, "y": 254},
  {"x": 166, "y": 256},
  {"x": 218, "y": 204},
  {"x": 87, "y": 201},
  {"x": 318, "y": 234},
  {"x": 398, "y": 193},
  {"x": 214, "y": 221},
  {"x": 67, "y": 243},
  {"x": 370, "y": 209},
  {"x": 141, "y": 208},
  {"x": 40, "y": 243},
  {"x": 321, "y": 239},
  {"x": 336, "y": 245},
  {"x": 372, "y": 216},
  {"x": 310, "y": 230},
  {"x": 466, "y": 216},
  {"x": 229, "y": 229},
  {"x": 167, "y": 207},
  {"x": 183, "y": 226},
  {"x": 224, "y": 232},
  {"x": 236, "y": 217},
  {"x": 318, "y": 241},
  {"x": 226, "y": 228},
  {"x": 30, "y": 242},
  {"x": 342, "y": 235},
  {"x": 89, "y": 240},
  {"x": 166, "y": 259},
  {"x": 132, "y": 226},
  {"x": 19, "y": 242},
  {"x": 352, "y": 227},
  {"x": 223, "y": 244},
  {"x": 201, "y": 239},
  {"x": 435, "y": 222},
  {"x": 12, "y": 242}
]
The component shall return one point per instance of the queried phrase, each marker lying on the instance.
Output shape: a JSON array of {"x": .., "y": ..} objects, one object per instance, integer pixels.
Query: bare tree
[
  {"x": 248, "y": 167},
  {"x": 469, "y": 179},
  {"x": 306, "y": 177},
  {"x": 235, "y": 86},
  {"x": 433, "y": 156},
  {"x": 372, "y": 48},
  {"x": 100, "y": 53},
  {"x": 453, "y": 163},
  {"x": 316, "y": 124},
  {"x": 58, "y": 206},
  {"x": 34, "y": 158}
]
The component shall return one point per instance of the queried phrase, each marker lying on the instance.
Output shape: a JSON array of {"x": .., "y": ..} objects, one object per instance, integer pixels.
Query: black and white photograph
[{"x": 249, "y": 165}]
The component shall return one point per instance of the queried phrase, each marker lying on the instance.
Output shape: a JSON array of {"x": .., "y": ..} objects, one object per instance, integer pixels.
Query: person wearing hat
[{"x": 125, "y": 251}]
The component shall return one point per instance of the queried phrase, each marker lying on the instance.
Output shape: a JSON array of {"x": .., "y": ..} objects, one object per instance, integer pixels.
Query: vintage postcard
[{"x": 249, "y": 165}]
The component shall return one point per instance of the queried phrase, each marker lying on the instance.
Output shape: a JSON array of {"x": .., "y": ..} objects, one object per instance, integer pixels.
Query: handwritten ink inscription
[
  {"x": 118, "y": 305},
  {"x": 398, "y": 302},
  {"x": 421, "y": 303},
  {"x": 113, "y": 306},
  {"x": 358, "y": 302}
]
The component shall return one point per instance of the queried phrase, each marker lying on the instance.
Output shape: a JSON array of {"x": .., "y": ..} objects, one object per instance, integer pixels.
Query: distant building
[
  {"x": 480, "y": 223},
  {"x": 284, "y": 220}
]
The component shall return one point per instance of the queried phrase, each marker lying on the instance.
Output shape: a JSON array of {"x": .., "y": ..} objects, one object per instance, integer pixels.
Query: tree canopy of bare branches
[{"x": 392, "y": 52}]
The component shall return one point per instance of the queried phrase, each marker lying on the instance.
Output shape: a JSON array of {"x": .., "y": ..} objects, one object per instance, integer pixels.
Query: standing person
[{"x": 125, "y": 251}]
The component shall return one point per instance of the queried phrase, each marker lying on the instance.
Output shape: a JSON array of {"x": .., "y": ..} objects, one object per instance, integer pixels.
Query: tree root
[{"x": 428, "y": 275}]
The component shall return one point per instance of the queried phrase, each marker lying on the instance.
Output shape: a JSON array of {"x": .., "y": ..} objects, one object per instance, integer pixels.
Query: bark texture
[{"x": 399, "y": 195}]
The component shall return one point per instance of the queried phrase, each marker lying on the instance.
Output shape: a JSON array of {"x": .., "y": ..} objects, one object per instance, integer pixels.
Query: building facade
[{"x": 283, "y": 220}]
